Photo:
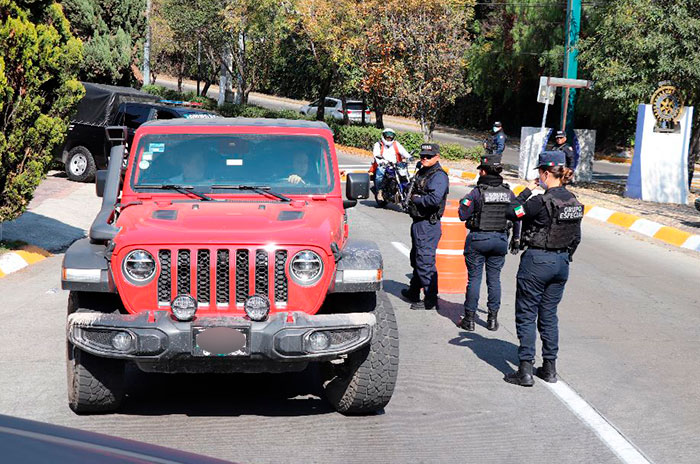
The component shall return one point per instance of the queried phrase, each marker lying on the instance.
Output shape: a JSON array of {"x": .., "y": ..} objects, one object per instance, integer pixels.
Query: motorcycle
[{"x": 395, "y": 184}]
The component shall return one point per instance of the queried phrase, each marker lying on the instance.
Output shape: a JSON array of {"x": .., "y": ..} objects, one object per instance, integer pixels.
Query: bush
[
  {"x": 39, "y": 60},
  {"x": 455, "y": 152}
]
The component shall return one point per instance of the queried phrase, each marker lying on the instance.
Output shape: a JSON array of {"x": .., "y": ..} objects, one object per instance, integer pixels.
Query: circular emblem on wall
[{"x": 667, "y": 104}]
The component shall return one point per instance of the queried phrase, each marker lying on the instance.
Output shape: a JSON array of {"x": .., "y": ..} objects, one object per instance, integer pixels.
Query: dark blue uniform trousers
[
  {"x": 541, "y": 278},
  {"x": 488, "y": 248},
  {"x": 424, "y": 240}
]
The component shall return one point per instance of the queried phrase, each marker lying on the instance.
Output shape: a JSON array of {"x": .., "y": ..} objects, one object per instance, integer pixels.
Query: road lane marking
[
  {"x": 618, "y": 444},
  {"x": 402, "y": 248}
]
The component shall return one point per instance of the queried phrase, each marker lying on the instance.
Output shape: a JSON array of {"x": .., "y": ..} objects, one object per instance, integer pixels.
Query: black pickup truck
[{"x": 86, "y": 148}]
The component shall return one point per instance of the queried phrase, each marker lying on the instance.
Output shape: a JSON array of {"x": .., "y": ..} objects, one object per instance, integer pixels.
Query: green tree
[
  {"x": 112, "y": 31},
  {"x": 432, "y": 39},
  {"x": 637, "y": 44},
  {"x": 514, "y": 44},
  {"x": 38, "y": 90}
]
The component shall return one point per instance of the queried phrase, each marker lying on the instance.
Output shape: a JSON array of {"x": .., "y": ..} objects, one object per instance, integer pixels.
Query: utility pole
[
  {"x": 147, "y": 47},
  {"x": 199, "y": 63},
  {"x": 573, "y": 27}
]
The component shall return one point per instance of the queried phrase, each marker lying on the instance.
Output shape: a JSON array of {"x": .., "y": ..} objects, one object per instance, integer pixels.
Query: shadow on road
[
  {"x": 45, "y": 232},
  {"x": 499, "y": 354},
  {"x": 272, "y": 395}
]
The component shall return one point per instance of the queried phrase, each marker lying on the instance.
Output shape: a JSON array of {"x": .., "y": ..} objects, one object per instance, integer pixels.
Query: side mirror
[
  {"x": 356, "y": 187},
  {"x": 100, "y": 180}
]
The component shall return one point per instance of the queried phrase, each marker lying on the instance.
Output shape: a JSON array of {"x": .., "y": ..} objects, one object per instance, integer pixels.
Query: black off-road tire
[
  {"x": 365, "y": 382},
  {"x": 80, "y": 165},
  {"x": 95, "y": 384}
]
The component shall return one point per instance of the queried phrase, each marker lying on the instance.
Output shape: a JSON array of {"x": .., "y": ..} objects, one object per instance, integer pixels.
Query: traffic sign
[{"x": 546, "y": 92}]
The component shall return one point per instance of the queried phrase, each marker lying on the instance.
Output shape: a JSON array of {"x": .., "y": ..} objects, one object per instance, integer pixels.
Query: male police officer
[
  {"x": 426, "y": 206},
  {"x": 497, "y": 143},
  {"x": 561, "y": 145},
  {"x": 484, "y": 209}
]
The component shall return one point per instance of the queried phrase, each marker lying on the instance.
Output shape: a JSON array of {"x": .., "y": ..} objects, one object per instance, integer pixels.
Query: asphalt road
[
  {"x": 602, "y": 170},
  {"x": 630, "y": 327}
]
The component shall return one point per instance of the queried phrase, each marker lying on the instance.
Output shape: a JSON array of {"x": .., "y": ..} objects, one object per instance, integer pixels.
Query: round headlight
[
  {"x": 257, "y": 307},
  {"x": 184, "y": 307},
  {"x": 122, "y": 341},
  {"x": 139, "y": 266},
  {"x": 306, "y": 267}
]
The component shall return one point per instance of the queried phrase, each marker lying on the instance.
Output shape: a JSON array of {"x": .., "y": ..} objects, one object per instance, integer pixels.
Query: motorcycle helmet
[{"x": 388, "y": 136}]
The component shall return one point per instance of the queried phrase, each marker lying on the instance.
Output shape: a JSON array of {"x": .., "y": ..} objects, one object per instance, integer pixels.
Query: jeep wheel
[
  {"x": 95, "y": 384},
  {"x": 80, "y": 165},
  {"x": 365, "y": 382}
]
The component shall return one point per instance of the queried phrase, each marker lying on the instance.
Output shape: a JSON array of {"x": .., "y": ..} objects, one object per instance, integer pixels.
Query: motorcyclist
[{"x": 386, "y": 150}]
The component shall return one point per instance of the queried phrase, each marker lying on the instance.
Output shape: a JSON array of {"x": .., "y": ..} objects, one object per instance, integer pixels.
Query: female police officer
[
  {"x": 551, "y": 232},
  {"x": 484, "y": 209}
]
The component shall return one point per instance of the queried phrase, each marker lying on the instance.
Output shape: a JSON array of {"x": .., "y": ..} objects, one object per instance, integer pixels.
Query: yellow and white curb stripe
[
  {"x": 13, "y": 261},
  {"x": 666, "y": 234}
]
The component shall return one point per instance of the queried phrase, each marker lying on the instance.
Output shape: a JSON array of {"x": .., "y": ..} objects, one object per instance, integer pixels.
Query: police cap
[
  {"x": 490, "y": 160},
  {"x": 560, "y": 134},
  {"x": 429, "y": 150},
  {"x": 551, "y": 158},
  {"x": 497, "y": 124}
]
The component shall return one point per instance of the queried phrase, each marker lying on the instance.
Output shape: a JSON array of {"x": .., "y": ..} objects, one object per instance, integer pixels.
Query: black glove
[{"x": 514, "y": 246}]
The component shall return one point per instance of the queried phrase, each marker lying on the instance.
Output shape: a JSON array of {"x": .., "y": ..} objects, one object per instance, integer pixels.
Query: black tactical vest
[
  {"x": 490, "y": 210},
  {"x": 565, "y": 220},
  {"x": 419, "y": 188}
]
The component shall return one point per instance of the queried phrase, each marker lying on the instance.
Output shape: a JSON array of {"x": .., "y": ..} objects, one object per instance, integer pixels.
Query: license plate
[{"x": 220, "y": 341}]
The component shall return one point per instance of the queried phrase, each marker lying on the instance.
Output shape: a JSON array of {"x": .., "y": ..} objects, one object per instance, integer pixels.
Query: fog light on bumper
[
  {"x": 122, "y": 341},
  {"x": 257, "y": 307},
  {"x": 184, "y": 307},
  {"x": 318, "y": 341}
]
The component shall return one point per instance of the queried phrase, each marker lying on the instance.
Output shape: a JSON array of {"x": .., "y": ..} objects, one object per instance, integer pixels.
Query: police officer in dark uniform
[
  {"x": 497, "y": 143},
  {"x": 426, "y": 206},
  {"x": 484, "y": 210},
  {"x": 562, "y": 145},
  {"x": 551, "y": 232}
]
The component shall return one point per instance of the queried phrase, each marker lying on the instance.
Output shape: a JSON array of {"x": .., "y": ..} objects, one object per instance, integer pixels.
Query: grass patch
[{"x": 11, "y": 245}]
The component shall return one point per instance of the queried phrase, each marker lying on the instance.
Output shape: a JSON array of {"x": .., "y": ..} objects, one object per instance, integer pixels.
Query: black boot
[
  {"x": 427, "y": 303},
  {"x": 548, "y": 371},
  {"x": 492, "y": 321},
  {"x": 413, "y": 297},
  {"x": 523, "y": 376},
  {"x": 466, "y": 322}
]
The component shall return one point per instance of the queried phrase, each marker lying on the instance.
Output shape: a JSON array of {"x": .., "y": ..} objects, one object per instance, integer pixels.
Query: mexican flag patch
[
  {"x": 466, "y": 202},
  {"x": 520, "y": 211}
]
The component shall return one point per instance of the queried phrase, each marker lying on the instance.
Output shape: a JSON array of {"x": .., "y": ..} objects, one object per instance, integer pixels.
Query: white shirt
[{"x": 389, "y": 151}]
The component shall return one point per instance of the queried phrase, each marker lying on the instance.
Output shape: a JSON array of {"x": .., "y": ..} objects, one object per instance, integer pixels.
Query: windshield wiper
[
  {"x": 186, "y": 189},
  {"x": 261, "y": 189}
]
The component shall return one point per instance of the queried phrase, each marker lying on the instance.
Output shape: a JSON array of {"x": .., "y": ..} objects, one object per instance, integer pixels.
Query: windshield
[{"x": 284, "y": 163}]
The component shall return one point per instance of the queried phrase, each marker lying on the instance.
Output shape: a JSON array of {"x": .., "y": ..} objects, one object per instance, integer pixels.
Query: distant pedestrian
[
  {"x": 562, "y": 145},
  {"x": 551, "y": 232},
  {"x": 497, "y": 143},
  {"x": 484, "y": 210},
  {"x": 426, "y": 206}
]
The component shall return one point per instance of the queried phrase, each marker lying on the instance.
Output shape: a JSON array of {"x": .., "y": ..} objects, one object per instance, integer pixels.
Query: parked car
[
  {"x": 86, "y": 148},
  {"x": 697, "y": 204},
  {"x": 225, "y": 247},
  {"x": 334, "y": 108}
]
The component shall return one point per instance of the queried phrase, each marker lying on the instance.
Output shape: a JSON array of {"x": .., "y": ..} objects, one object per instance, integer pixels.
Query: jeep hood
[{"x": 316, "y": 223}]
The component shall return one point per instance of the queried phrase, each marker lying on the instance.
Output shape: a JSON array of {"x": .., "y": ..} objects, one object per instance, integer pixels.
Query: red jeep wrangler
[{"x": 223, "y": 247}]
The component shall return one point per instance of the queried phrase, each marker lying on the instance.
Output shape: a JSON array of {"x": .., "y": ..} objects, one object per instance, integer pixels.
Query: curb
[
  {"x": 13, "y": 261},
  {"x": 666, "y": 234}
]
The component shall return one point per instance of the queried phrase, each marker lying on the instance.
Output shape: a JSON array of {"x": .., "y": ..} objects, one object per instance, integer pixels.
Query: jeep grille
[{"x": 230, "y": 264}]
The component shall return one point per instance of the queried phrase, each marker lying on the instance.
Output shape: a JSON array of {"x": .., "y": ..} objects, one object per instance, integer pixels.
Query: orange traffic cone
[{"x": 452, "y": 270}]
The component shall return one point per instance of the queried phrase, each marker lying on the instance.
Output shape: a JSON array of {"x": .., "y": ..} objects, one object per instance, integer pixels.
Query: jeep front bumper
[{"x": 155, "y": 336}]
